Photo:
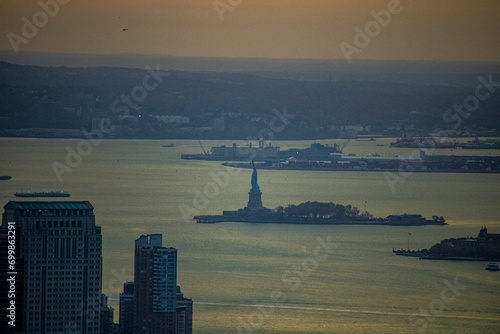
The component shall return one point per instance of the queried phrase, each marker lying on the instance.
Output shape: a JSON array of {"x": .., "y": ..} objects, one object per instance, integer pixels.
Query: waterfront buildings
[
  {"x": 237, "y": 153},
  {"x": 245, "y": 152},
  {"x": 57, "y": 268}
]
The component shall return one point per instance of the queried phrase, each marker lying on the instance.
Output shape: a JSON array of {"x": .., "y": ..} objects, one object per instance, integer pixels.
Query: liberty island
[{"x": 309, "y": 213}]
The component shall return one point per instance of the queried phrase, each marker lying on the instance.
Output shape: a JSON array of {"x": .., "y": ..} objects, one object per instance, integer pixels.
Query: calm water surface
[{"x": 251, "y": 277}]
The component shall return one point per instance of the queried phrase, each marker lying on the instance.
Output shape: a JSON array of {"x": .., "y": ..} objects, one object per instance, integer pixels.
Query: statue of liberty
[
  {"x": 254, "y": 196},
  {"x": 254, "y": 178}
]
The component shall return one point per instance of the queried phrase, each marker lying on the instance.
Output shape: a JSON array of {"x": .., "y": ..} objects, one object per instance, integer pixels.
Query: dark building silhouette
[
  {"x": 488, "y": 239},
  {"x": 58, "y": 266},
  {"x": 184, "y": 313},
  {"x": 126, "y": 319},
  {"x": 155, "y": 278},
  {"x": 154, "y": 304},
  {"x": 107, "y": 313}
]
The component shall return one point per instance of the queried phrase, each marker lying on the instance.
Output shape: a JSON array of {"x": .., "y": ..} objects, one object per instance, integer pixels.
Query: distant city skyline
[{"x": 422, "y": 30}]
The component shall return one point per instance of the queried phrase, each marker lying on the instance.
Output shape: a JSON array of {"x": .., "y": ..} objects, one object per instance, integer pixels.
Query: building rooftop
[{"x": 60, "y": 205}]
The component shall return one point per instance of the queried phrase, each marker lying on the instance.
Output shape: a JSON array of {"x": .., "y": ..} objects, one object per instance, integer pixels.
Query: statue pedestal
[{"x": 254, "y": 199}]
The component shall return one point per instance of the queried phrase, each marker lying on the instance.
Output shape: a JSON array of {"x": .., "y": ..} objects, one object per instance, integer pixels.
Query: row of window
[
  {"x": 67, "y": 301},
  {"x": 68, "y": 284},
  {"x": 63, "y": 295},
  {"x": 61, "y": 326},
  {"x": 72, "y": 289},
  {"x": 55, "y": 212},
  {"x": 87, "y": 261},
  {"x": 62, "y": 267},
  {"x": 57, "y": 223}
]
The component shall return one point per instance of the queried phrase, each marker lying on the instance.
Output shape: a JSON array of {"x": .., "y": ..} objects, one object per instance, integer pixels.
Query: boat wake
[{"x": 345, "y": 310}]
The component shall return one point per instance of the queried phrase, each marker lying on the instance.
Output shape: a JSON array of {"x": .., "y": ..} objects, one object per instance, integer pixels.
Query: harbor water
[{"x": 292, "y": 279}]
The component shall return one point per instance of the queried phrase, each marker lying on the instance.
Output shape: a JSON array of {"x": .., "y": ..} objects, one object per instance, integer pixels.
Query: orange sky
[{"x": 422, "y": 30}]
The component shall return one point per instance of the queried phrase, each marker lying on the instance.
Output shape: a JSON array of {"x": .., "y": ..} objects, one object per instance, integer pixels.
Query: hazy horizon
[
  {"x": 316, "y": 30},
  {"x": 323, "y": 67}
]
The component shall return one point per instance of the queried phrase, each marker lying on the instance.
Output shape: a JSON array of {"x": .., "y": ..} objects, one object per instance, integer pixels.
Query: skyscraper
[
  {"x": 159, "y": 306},
  {"x": 155, "y": 278},
  {"x": 59, "y": 262}
]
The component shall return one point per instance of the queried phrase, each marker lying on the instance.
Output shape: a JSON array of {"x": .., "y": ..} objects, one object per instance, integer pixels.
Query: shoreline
[
  {"x": 221, "y": 219},
  {"x": 443, "y": 258},
  {"x": 392, "y": 170}
]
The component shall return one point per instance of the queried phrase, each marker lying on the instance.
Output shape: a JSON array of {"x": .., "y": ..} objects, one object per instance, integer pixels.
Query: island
[
  {"x": 484, "y": 247},
  {"x": 310, "y": 213}
]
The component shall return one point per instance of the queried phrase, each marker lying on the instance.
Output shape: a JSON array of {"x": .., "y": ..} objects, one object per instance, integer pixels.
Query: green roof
[{"x": 60, "y": 205}]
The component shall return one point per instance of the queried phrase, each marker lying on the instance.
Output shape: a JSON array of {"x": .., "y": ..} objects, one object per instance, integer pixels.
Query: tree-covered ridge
[
  {"x": 321, "y": 210},
  {"x": 235, "y": 105}
]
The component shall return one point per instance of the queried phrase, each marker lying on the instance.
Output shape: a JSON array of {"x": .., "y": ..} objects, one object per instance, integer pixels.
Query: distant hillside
[
  {"x": 227, "y": 104},
  {"x": 426, "y": 73}
]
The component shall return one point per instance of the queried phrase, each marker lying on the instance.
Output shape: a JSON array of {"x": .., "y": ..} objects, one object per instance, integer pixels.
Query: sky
[{"x": 422, "y": 30}]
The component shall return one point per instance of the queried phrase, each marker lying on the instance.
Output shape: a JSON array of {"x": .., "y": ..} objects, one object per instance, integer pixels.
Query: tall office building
[
  {"x": 59, "y": 262},
  {"x": 159, "y": 307},
  {"x": 155, "y": 278}
]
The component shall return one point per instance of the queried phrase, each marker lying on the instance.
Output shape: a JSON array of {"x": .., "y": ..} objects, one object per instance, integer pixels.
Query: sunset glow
[{"x": 421, "y": 30}]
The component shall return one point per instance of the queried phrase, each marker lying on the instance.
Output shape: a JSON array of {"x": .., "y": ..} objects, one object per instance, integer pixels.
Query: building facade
[
  {"x": 59, "y": 262},
  {"x": 108, "y": 326},
  {"x": 126, "y": 319},
  {"x": 234, "y": 152},
  {"x": 184, "y": 313},
  {"x": 155, "y": 278},
  {"x": 153, "y": 303}
]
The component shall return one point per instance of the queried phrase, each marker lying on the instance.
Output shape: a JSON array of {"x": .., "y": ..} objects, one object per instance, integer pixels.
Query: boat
[
  {"x": 44, "y": 194},
  {"x": 5, "y": 177},
  {"x": 492, "y": 267}
]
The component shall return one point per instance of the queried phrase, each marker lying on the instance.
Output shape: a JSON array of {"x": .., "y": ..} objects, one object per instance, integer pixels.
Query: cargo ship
[{"x": 44, "y": 194}]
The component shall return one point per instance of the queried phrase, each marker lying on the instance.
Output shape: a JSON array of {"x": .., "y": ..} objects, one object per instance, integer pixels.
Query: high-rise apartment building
[
  {"x": 158, "y": 305},
  {"x": 58, "y": 266},
  {"x": 155, "y": 278}
]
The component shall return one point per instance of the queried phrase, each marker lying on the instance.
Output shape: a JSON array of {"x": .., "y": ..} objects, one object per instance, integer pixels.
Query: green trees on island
[{"x": 320, "y": 210}]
